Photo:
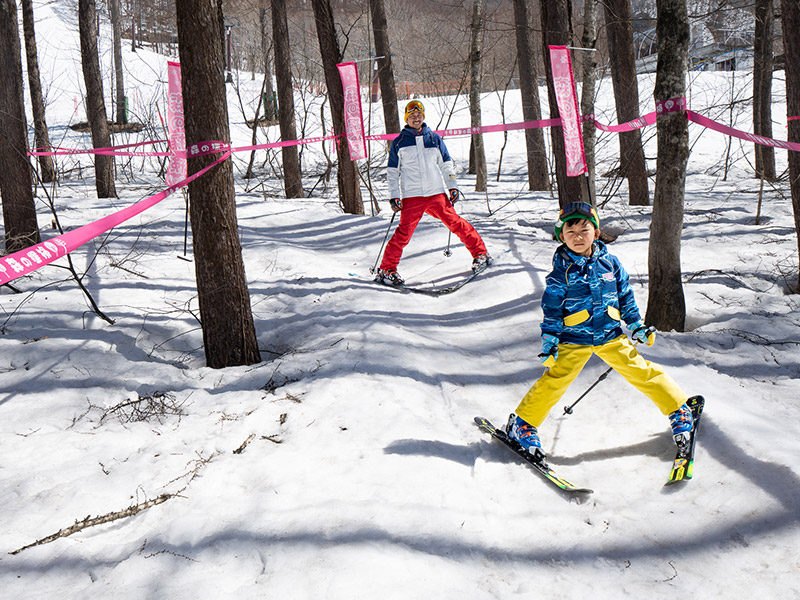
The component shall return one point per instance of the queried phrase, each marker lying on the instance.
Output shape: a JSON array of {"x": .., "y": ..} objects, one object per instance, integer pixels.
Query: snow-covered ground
[{"x": 346, "y": 465}]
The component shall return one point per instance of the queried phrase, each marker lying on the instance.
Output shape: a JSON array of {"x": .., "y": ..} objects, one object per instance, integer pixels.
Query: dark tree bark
[
  {"x": 762, "y": 87},
  {"x": 347, "y": 178},
  {"x": 292, "y": 178},
  {"x": 538, "y": 173},
  {"x": 557, "y": 31},
  {"x": 228, "y": 330},
  {"x": 95, "y": 107},
  {"x": 626, "y": 96},
  {"x": 119, "y": 80},
  {"x": 47, "y": 171},
  {"x": 478, "y": 153},
  {"x": 380, "y": 32},
  {"x": 790, "y": 18},
  {"x": 589, "y": 70},
  {"x": 666, "y": 307},
  {"x": 19, "y": 210}
]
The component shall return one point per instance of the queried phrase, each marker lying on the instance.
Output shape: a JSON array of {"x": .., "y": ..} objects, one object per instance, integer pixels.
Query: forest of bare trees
[{"x": 419, "y": 48}]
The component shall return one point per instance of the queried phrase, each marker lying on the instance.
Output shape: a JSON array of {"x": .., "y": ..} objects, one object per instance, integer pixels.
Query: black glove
[
  {"x": 396, "y": 204},
  {"x": 453, "y": 196}
]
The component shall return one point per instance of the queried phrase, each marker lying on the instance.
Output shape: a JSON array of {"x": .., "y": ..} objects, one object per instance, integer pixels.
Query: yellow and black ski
[
  {"x": 538, "y": 461},
  {"x": 683, "y": 465}
]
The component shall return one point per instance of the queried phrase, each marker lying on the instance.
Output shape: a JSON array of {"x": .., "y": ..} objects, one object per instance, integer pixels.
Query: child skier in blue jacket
[{"x": 587, "y": 297}]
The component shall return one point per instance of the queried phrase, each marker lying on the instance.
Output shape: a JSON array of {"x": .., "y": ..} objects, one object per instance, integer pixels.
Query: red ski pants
[{"x": 437, "y": 206}]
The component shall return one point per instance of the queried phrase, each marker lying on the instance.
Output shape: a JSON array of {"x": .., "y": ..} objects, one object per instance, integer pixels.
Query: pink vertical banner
[
  {"x": 567, "y": 100},
  {"x": 353, "y": 119},
  {"x": 175, "y": 127}
]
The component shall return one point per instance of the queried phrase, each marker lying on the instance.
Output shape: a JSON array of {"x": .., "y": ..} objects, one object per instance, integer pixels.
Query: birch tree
[{"x": 478, "y": 152}]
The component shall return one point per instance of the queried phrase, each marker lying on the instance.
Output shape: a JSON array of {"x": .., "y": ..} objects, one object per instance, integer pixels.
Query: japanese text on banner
[
  {"x": 567, "y": 100},
  {"x": 353, "y": 119},
  {"x": 175, "y": 125}
]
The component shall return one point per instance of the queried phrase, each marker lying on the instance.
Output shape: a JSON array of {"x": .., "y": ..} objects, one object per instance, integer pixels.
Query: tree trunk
[
  {"x": 228, "y": 330},
  {"x": 666, "y": 308},
  {"x": 476, "y": 48},
  {"x": 557, "y": 29},
  {"x": 380, "y": 32},
  {"x": 762, "y": 87},
  {"x": 119, "y": 81},
  {"x": 19, "y": 210},
  {"x": 292, "y": 178},
  {"x": 538, "y": 173},
  {"x": 95, "y": 107},
  {"x": 347, "y": 178},
  {"x": 270, "y": 106},
  {"x": 47, "y": 170},
  {"x": 589, "y": 71},
  {"x": 790, "y": 16},
  {"x": 626, "y": 96}
]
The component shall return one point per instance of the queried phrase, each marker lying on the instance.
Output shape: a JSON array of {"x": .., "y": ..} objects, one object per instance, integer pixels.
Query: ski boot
[
  {"x": 525, "y": 435},
  {"x": 481, "y": 261},
  {"x": 389, "y": 277},
  {"x": 681, "y": 422}
]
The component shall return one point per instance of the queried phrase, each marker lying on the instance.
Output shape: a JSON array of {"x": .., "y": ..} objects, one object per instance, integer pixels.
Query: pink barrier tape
[
  {"x": 37, "y": 256},
  {"x": 647, "y": 119},
  {"x": 750, "y": 137},
  {"x": 112, "y": 150},
  {"x": 286, "y": 143},
  {"x": 475, "y": 130},
  {"x": 671, "y": 105},
  {"x": 793, "y": 118}
]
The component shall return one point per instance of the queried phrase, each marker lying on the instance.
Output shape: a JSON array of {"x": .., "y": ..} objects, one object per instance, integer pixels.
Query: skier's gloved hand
[
  {"x": 453, "y": 196},
  {"x": 643, "y": 334},
  {"x": 396, "y": 204},
  {"x": 549, "y": 353}
]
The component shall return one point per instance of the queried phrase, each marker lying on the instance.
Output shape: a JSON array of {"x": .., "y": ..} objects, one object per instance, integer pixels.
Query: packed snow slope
[{"x": 345, "y": 465}]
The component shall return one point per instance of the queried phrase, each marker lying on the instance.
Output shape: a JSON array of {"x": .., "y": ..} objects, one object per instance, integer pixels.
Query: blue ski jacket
[
  {"x": 587, "y": 297},
  {"x": 419, "y": 165}
]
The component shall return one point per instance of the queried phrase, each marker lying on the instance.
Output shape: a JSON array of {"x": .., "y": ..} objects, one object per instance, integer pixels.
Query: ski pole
[
  {"x": 568, "y": 409},
  {"x": 375, "y": 266},
  {"x": 447, "y": 251}
]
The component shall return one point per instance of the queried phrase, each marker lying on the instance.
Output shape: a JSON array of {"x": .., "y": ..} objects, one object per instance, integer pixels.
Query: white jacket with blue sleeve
[{"x": 419, "y": 165}]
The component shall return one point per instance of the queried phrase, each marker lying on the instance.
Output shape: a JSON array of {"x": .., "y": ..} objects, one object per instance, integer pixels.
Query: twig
[
  {"x": 241, "y": 448},
  {"x": 92, "y": 521}
]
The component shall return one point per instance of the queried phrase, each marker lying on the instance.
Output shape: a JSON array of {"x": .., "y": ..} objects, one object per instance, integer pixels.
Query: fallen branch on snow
[{"x": 92, "y": 521}]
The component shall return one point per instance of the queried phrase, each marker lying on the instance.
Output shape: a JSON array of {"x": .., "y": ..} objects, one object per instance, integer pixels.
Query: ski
[
  {"x": 538, "y": 461},
  {"x": 441, "y": 291},
  {"x": 683, "y": 465}
]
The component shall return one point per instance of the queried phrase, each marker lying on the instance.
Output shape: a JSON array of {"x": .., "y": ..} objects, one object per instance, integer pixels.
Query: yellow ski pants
[{"x": 619, "y": 354}]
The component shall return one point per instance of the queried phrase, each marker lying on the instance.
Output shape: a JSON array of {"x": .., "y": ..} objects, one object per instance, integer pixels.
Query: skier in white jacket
[{"x": 421, "y": 180}]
